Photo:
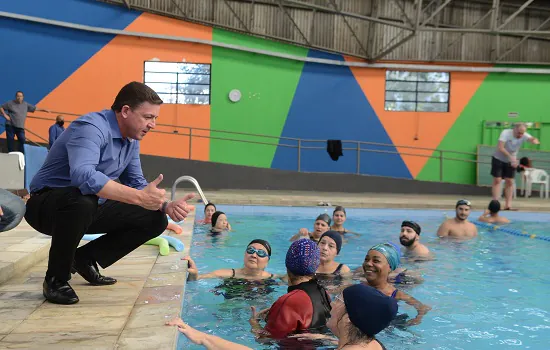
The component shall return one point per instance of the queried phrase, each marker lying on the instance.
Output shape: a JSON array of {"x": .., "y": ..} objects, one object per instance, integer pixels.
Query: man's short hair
[
  {"x": 133, "y": 95},
  {"x": 19, "y": 91},
  {"x": 519, "y": 125}
]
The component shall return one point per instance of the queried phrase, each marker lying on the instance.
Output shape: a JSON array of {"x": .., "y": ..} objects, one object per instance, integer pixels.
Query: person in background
[
  {"x": 491, "y": 214},
  {"x": 353, "y": 327},
  {"x": 219, "y": 223},
  {"x": 209, "y": 210},
  {"x": 307, "y": 303},
  {"x": 15, "y": 112},
  {"x": 459, "y": 226},
  {"x": 410, "y": 239},
  {"x": 504, "y": 161},
  {"x": 55, "y": 130},
  {"x": 321, "y": 225},
  {"x": 12, "y": 210}
]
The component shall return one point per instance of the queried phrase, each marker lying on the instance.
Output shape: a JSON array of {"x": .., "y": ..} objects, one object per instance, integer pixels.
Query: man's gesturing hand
[
  {"x": 178, "y": 209},
  {"x": 152, "y": 197}
]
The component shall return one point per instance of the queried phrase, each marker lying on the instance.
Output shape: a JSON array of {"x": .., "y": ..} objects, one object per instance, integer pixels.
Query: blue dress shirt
[
  {"x": 54, "y": 131},
  {"x": 89, "y": 153}
]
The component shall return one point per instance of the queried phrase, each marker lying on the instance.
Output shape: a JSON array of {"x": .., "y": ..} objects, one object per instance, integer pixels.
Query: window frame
[
  {"x": 416, "y": 92},
  {"x": 178, "y": 94}
]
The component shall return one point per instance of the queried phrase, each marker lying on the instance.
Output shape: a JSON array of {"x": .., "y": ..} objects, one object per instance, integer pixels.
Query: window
[
  {"x": 179, "y": 82},
  {"x": 417, "y": 91}
]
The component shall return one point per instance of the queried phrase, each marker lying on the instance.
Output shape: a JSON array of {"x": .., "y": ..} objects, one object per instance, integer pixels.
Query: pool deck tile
[{"x": 131, "y": 314}]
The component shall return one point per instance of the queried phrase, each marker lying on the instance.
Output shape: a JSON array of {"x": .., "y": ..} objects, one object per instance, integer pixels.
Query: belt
[{"x": 40, "y": 191}]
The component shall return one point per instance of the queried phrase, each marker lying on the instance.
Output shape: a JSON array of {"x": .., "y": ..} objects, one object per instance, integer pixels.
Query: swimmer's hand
[
  {"x": 178, "y": 209},
  {"x": 151, "y": 197},
  {"x": 413, "y": 322},
  {"x": 262, "y": 315},
  {"x": 304, "y": 232},
  {"x": 191, "y": 333},
  {"x": 191, "y": 268}
]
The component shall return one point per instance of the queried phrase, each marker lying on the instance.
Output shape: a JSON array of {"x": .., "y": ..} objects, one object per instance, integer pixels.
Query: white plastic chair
[
  {"x": 524, "y": 176},
  {"x": 540, "y": 177},
  {"x": 503, "y": 185}
]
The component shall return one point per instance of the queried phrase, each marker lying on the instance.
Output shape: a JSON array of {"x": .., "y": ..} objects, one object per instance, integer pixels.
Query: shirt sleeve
[
  {"x": 83, "y": 149},
  {"x": 31, "y": 108},
  {"x": 132, "y": 176},
  {"x": 291, "y": 312},
  {"x": 527, "y": 136},
  {"x": 504, "y": 135}
]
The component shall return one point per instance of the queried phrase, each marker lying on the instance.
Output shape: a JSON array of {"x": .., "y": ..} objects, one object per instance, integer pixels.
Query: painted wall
[{"x": 75, "y": 71}]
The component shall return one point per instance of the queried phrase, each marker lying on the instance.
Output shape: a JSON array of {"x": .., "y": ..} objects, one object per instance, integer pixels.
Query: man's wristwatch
[{"x": 163, "y": 208}]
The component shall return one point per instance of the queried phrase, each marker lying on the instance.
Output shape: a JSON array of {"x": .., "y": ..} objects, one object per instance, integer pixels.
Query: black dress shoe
[
  {"x": 58, "y": 292},
  {"x": 90, "y": 272}
]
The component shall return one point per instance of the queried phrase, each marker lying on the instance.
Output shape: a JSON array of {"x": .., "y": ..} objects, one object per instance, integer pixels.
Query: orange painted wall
[
  {"x": 95, "y": 84},
  {"x": 417, "y": 129}
]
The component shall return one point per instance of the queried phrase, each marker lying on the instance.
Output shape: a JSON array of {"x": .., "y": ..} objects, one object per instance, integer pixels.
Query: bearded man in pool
[{"x": 459, "y": 226}]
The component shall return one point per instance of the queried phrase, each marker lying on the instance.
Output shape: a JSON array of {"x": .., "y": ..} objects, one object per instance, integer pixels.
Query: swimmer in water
[
  {"x": 330, "y": 245},
  {"x": 410, "y": 239},
  {"x": 256, "y": 259},
  {"x": 491, "y": 215},
  {"x": 321, "y": 225},
  {"x": 379, "y": 262},
  {"x": 219, "y": 223},
  {"x": 339, "y": 217},
  {"x": 209, "y": 210},
  {"x": 459, "y": 226}
]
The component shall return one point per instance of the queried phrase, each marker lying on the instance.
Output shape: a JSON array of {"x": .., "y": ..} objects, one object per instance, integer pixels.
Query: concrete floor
[{"x": 131, "y": 313}]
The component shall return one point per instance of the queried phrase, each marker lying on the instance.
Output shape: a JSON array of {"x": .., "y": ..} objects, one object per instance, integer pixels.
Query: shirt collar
[{"x": 115, "y": 129}]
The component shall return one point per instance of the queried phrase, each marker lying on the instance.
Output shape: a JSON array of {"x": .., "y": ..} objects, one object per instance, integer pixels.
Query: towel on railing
[{"x": 334, "y": 149}]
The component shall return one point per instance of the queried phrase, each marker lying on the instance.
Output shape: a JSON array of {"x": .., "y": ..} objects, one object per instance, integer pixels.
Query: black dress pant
[{"x": 67, "y": 215}]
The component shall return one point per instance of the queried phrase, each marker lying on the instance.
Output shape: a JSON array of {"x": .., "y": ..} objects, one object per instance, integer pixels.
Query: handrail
[
  {"x": 302, "y": 144},
  {"x": 194, "y": 182}
]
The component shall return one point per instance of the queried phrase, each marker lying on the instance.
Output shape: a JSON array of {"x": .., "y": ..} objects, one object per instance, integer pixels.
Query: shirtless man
[
  {"x": 491, "y": 215},
  {"x": 459, "y": 226},
  {"x": 410, "y": 239}
]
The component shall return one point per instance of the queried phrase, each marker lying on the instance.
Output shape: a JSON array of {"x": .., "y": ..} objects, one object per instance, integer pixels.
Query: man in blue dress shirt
[
  {"x": 56, "y": 130},
  {"x": 74, "y": 193}
]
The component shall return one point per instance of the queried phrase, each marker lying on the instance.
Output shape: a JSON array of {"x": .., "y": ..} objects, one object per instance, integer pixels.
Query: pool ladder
[{"x": 193, "y": 181}]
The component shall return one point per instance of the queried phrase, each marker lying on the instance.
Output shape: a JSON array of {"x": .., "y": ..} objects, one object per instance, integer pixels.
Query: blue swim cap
[{"x": 389, "y": 251}]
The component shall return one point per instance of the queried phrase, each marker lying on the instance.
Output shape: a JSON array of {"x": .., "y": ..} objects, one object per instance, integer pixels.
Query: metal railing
[{"x": 300, "y": 145}]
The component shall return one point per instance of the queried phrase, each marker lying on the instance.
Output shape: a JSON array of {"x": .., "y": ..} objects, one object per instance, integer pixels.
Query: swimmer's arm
[
  {"x": 483, "y": 217},
  {"x": 443, "y": 230},
  {"x": 345, "y": 270},
  {"x": 421, "y": 309},
  {"x": 303, "y": 233}
]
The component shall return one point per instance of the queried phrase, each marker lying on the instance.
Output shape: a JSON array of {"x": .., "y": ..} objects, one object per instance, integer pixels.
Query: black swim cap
[
  {"x": 413, "y": 225},
  {"x": 463, "y": 202},
  {"x": 325, "y": 218},
  {"x": 264, "y": 243},
  {"x": 339, "y": 208},
  {"x": 215, "y": 217},
  {"x": 494, "y": 206}
]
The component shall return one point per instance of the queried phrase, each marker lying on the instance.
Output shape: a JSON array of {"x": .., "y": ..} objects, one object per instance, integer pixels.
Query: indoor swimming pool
[{"x": 485, "y": 293}]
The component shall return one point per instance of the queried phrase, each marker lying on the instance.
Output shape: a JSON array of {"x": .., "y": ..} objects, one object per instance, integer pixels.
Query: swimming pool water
[{"x": 484, "y": 293}]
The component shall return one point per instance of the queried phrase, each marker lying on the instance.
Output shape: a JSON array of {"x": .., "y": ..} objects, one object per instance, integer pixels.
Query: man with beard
[
  {"x": 410, "y": 239},
  {"x": 459, "y": 226}
]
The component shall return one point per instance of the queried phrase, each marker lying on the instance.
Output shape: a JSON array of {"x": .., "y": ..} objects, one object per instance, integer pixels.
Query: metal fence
[{"x": 359, "y": 147}]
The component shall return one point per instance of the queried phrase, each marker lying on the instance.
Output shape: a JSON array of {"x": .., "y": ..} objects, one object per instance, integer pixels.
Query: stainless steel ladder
[{"x": 193, "y": 181}]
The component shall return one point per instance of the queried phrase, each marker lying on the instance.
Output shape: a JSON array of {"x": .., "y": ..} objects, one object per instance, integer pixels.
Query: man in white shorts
[{"x": 504, "y": 162}]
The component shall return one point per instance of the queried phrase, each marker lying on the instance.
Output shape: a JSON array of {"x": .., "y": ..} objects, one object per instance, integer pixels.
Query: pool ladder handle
[{"x": 193, "y": 181}]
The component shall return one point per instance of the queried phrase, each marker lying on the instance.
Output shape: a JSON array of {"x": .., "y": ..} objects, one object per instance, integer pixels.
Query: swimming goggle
[
  {"x": 260, "y": 252},
  {"x": 463, "y": 202}
]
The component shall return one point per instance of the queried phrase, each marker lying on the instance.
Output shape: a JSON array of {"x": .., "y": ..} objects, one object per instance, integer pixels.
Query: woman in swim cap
[
  {"x": 338, "y": 219},
  {"x": 321, "y": 225},
  {"x": 219, "y": 223},
  {"x": 330, "y": 245},
  {"x": 379, "y": 262},
  {"x": 353, "y": 327},
  {"x": 256, "y": 259}
]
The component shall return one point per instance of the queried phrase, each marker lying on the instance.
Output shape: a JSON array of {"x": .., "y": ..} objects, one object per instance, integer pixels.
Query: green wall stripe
[
  {"x": 499, "y": 94},
  {"x": 267, "y": 86}
]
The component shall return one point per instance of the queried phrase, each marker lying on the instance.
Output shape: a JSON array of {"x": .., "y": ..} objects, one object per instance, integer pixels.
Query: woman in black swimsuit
[
  {"x": 256, "y": 258},
  {"x": 330, "y": 245}
]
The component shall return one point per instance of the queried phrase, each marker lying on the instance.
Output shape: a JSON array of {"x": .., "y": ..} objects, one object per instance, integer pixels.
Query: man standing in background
[
  {"x": 15, "y": 112},
  {"x": 56, "y": 130},
  {"x": 504, "y": 161}
]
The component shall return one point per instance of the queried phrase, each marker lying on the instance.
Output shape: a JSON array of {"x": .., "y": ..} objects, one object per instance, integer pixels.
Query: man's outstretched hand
[
  {"x": 178, "y": 209},
  {"x": 152, "y": 197}
]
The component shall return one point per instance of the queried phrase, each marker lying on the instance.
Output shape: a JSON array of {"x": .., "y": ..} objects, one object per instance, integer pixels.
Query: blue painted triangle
[
  {"x": 329, "y": 104},
  {"x": 38, "y": 57}
]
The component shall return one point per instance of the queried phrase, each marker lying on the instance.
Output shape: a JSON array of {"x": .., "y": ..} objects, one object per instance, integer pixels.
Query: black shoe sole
[
  {"x": 74, "y": 270},
  {"x": 53, "y": 301}
]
